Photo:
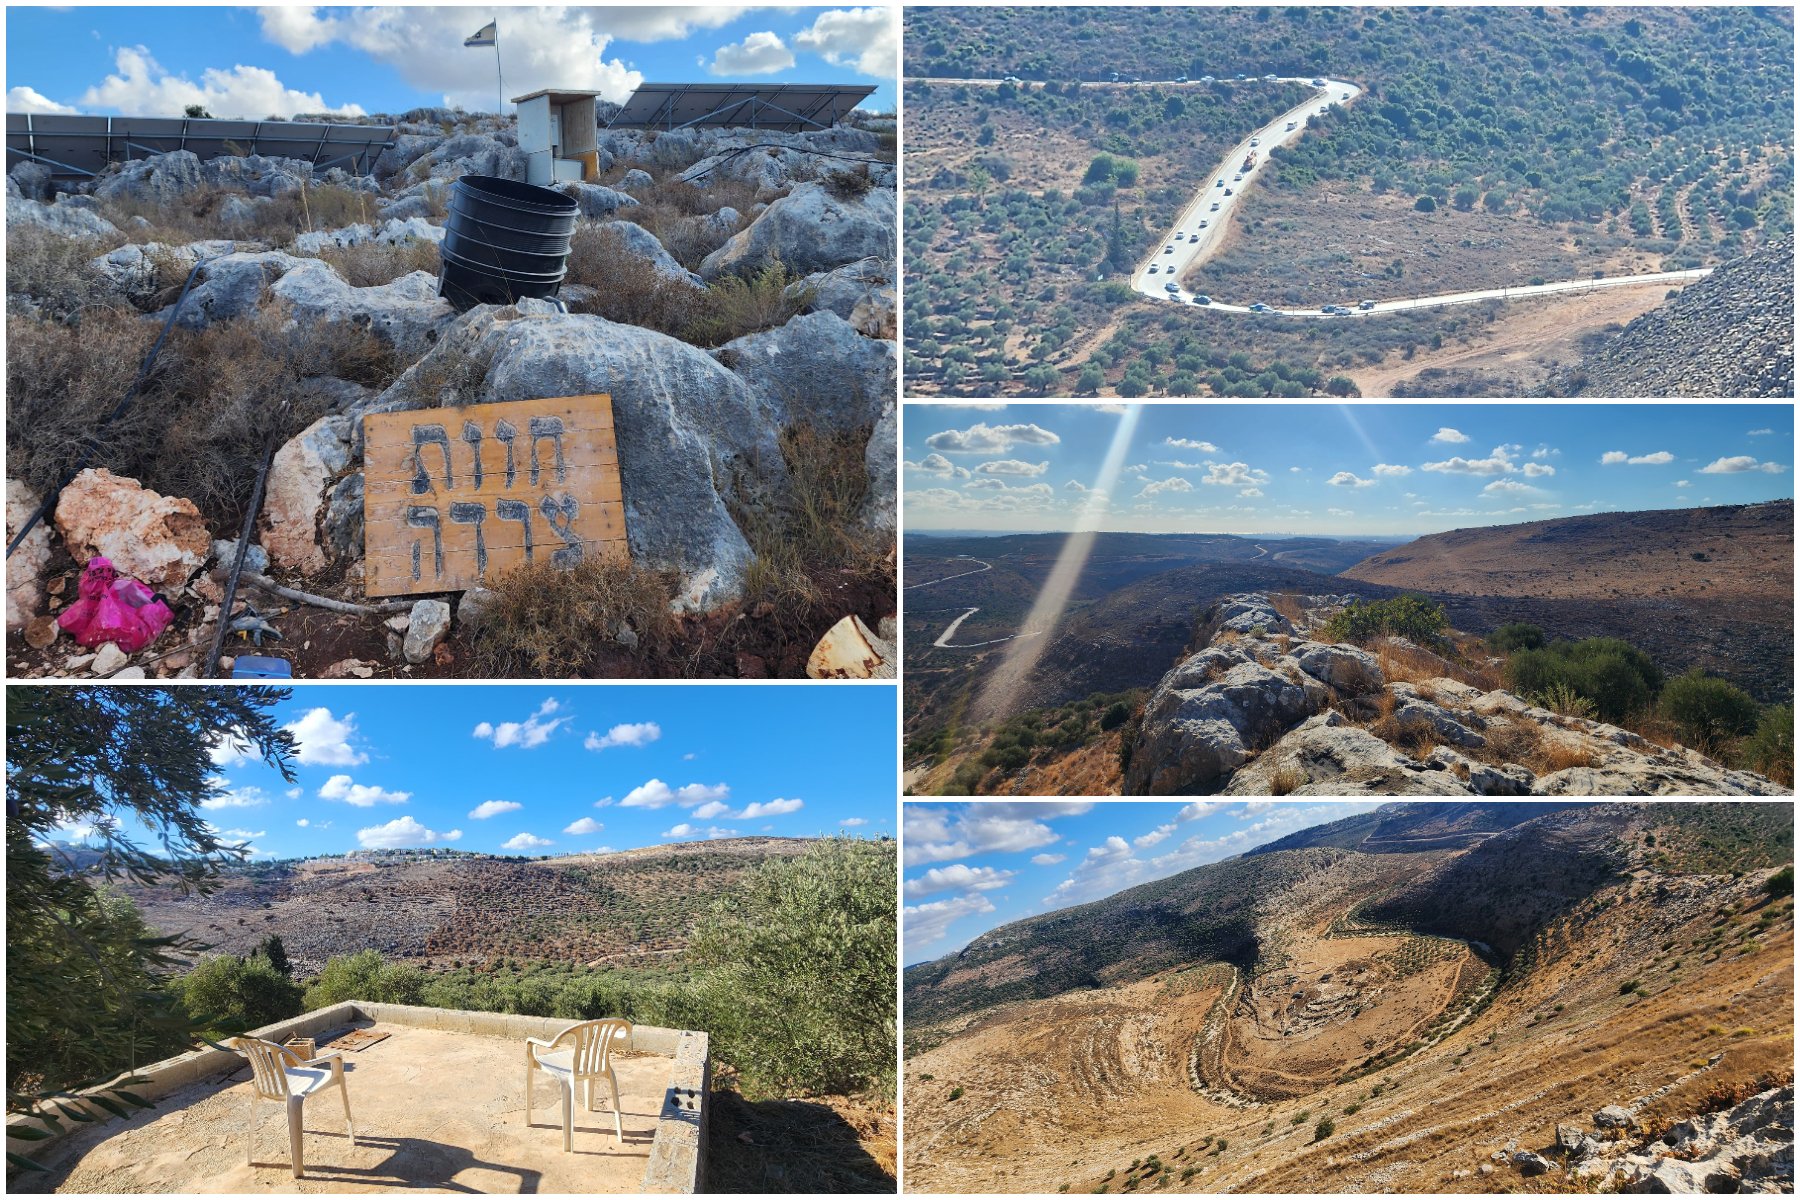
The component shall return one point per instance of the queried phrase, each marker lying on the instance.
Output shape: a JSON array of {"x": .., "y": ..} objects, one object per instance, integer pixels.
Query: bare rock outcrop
[{"x": 161, "y": 540}]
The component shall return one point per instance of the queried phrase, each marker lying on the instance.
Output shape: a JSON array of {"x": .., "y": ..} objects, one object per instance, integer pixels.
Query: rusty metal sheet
[{"x": 453, "y": 497}]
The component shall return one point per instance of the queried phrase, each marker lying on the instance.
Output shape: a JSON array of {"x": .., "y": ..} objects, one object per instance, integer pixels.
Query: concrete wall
[{"x": 676, "y": 1155}]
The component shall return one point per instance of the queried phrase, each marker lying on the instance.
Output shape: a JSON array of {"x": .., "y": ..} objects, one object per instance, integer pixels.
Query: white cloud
[
  {"x": 303, "y": 822},
  {"x": 340, "y": 787},
  {"x": 528, "y": 734},
  {"x": 1446, "y": 434},
  {"x": 1509, "y": 487},
  {"x": 1533, "y": 470},
  {"x": 1012, "y": 466},
  {"x": 1159, "y": 834},
  {"x": 1251, "y": 492},
  {"x": 1654, "y": 459},
  {"x": 1740, "y": 463},
  {"x": 30, "y": 100},
  {"x": 1237, "y": 475},
  {"x": 1613, "y": 456},
  {"x": 710, "y": 833},
  {"x": 636, "y": 733},
  {"x": 1191, "y": 444},
  {"x": 241, "y": 835},
  {"x": 982, "y": 438},
  {"x": 867, "y": 39},
  {"x": 935, "y": 833},
  {"x": 583, "y": 826},
  {"x": 244, "y": 797},
  {"x": 493, "y": 808},
  {"x": 853, "y": 822},
  {"x": 525, "y": 841},
  {"x": 1341, "y": 512},
  {"x": 937, "y": 466},
  {"x": 926, "y": 924},
  {"x": 758, "y": 54},
  {"x": 322, "y": 740},
  {"x": 1196, "y": 809},
  {"x": 294, "y": 793},
  {"x": 1498, "y": 462},
  {"x": 1392, "y": 469},
  {"x": 768, "y": 808},
  {"x": 1749, "y": 433},
  {"x": 711, "y": 809},
  {"x": 1681, "y": 483},
  {"x": 139, "y": 84},
  {"x": 1544, "y": 451},
  {"x": 402, "y": 833},
  {"x": 1350, "y": 480},
  {"x": 1174, "y": 483},
  {"x": 1047, "y": 860},
  {"x": 231, "y": 749},
  {"x": 655, "y": 793},
  {"x": 958, "y": 877}
]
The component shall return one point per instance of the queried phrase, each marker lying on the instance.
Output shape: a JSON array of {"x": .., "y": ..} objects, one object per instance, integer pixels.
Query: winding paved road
[
  {"x": 985, "y": 566},
  {"x": 1199, "y": 232}
]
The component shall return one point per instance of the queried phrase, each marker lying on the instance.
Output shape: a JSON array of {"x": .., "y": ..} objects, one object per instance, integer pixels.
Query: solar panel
[
  {"x": 781, "y": 107},
  {"x": 83, "y": 146}
]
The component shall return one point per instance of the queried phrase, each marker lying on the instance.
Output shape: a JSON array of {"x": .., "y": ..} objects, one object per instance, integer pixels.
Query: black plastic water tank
[{"x": 504, "y": 241}]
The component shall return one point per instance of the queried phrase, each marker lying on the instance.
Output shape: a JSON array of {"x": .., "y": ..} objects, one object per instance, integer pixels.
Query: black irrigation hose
[
  {"x": 93, "y": 444},
  {"x": 730, "y": 154},
  {"x": 243, "y": 546}
]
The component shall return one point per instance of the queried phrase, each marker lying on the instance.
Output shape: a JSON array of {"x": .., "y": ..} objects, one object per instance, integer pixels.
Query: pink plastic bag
[{"x": 114, "y": 609}]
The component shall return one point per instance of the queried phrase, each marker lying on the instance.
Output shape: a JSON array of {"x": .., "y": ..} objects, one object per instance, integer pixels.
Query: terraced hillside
[
  {"x": 1606, "y": 979},
  {"x": 467, "y": 909}
]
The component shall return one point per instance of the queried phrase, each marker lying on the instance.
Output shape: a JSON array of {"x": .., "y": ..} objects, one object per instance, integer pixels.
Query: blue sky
[
  {"x": 972, "y": 867},
  {"x": 279, "y": 60},
  {"x": 1352, "y": 469},
  {"x": 535, "y": 770}
]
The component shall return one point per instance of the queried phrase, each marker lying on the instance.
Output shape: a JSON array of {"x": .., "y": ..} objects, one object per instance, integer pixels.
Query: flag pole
[{"x": 499, "y": 78}]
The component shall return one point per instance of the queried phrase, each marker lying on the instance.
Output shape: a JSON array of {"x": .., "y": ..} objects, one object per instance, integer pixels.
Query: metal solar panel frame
[
  {"x": 779, "y": 107},
  {"x": 84, "y": 146}
]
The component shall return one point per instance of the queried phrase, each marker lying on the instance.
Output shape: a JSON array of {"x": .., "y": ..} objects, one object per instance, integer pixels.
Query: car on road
[
  {"x": 1259, "y": 306},
  {"x": 1193, "y": 239},
  {"x": 1013, "y": 79},
  {"x": 1292, "y": 125},
  {"x": 1171, "y": 287},
  {"x": 1324, "y": 108},
  {"x": 1207, "y": 79},
  {"x": 1154, "y": 268},
  {"x": 1269, "y": 79},
  {"x": 1318, "y": 83},
  {"x": 1345, "y": 96},
  {"x": 1328, "y": 308},
  {"x": 1215, "y": 207},
  {"x": 1219, "y": 182},
  {"x": 1254, "y": 142},
  {"x": 1238, "y": 178},
  {"x": 1202, "y": 299},
  {"x": 1203, "y": 224},
  {"x": 1228, "y": 191},
  {"x": 1366, "y": 305},
  {"x": 1335, "y": 310},
  {"x": 1168, "y": 249}
]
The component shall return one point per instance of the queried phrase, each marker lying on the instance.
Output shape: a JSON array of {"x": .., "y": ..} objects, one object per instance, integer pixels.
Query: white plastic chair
[
  {"x": 579, "y": 1055},
  {"x": 277, "y": 1073}
]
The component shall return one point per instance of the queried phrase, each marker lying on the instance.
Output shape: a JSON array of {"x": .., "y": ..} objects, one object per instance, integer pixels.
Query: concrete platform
[{"x": 435, "y": 1110}]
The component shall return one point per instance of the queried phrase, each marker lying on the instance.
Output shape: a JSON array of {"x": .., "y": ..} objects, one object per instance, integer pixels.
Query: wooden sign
[{"x": 452, "y": 497}]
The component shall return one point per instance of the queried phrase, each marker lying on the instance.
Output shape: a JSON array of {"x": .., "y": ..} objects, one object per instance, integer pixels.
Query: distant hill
[
  {"x": 1708, "y": 587},
  {"x": 468, "y": 908},
  {"x": 1730, "y": 334},
  {"x": 1409, "y": 828}
]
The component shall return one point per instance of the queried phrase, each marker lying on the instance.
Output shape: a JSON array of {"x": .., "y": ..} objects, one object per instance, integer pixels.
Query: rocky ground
[
  {"x": 1730, "y": 334},
  {"x": 1264, "y": 710},
  {"x": 693, "y": 224}
]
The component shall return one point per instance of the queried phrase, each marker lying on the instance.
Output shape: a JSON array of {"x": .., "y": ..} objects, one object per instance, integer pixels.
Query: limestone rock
[
  {"x": 851, "y": 650},
  {"x": 633, "y": 239},
  {"x": 808, "y": 230},
  {"x": 160, "y": 540},
  {"x": 109, "y": 659},
  {"x": 158, "y": 179},
  {"x": 636, "y": 180},
  {"x": 224, "y": 552},
  {"x": 1345, "y": 668},
  {"x": 816, "y": 370},
  {"x": 25, "y": 569},
  {"x": 61, "y": 218},
  {"x": 426, "y": 626},
  {"x": 32, "y": 180},
  {"x": 299, "y": 478},
  {"x": 1328, "y": 756},
  {"x": 597, "y": 202}
]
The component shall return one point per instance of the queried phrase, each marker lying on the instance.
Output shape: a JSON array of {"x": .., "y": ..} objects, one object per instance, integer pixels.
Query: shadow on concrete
[{"x": 410, "y": 1163}]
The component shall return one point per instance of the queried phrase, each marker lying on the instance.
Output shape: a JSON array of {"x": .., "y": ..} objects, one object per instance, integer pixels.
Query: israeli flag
[{"x": 485, "y": 36}]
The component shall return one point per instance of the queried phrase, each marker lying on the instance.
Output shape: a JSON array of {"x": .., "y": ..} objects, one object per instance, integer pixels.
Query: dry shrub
[
  {"x": 1523, "y": 741},
  {"x": 626, "y": 288},
  {"x": 813, "y": 533},
  {"x": 674, "y": 208},
  {"x": 546, "y": 623},
  {"x": 61, "y": 380},
  {"x": 195, "y": 217},
  {"x": 54, "y": 271},
  {"x": 223, "y": 387},
  {"x": 1285, "y": 780},
  {"x": 372, "y": 264},
  {"x": 1288, "y": 605},
  {"x": 849, "y": 184},
  {"x": 1411, "y": 664}
]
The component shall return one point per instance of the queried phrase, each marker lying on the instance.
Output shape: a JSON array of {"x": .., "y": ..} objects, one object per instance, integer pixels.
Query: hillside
[
  {"x": 1411, "y": 828},
  {"x": 1730, "y": 334},
  {"x": 467, "y": 909},
  {"x": 1708, "y": 587},
  {"x": 1354, "y": 1035}
]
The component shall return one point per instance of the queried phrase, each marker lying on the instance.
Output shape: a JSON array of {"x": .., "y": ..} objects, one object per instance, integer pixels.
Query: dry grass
[
  {"x": 1412, "y": 664},
  {"x": 547, "y": 622},
  {"x": 54, "y": 271},
  {"x": 198, "y": 427},
  {"x": 813, "y": 533},
  {"x": 628, "y": 289},
  {"x": 195, "y": 217},
  {"x": 372, "y": 264},
  {"x": 1288, "y": 605},
  {"x": 1285, "y": 780},
  {"x": 1526, "y": 743},
  {"x": 736, "y": 306},
  {"x": 673, "y": 211},
  {"x": 820, "y": 1146}
]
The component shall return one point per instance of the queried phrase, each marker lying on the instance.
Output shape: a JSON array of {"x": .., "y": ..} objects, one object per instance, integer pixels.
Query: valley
[{"x": 1434, "y": 997}]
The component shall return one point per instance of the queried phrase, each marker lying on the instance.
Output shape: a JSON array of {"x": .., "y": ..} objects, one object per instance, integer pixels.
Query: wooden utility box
[
  {"x": 454, "y": 496},
  {"x": 557, "y": 134}
]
